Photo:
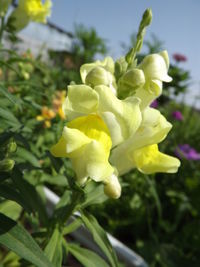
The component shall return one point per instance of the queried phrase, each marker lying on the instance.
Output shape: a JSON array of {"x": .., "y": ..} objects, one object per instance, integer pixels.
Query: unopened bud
[
  {"x": 113, "y": 188},
  {"x": 12, "y": 147},
  {"x": 98, "y": 76},
  {"x": 130, "y": 82},
  {"x": 147, "y": 17},
  {"x": 155, "y": 66},
  {"x": 25, "y": 75},
  {"x": 6, "y": 165},
  {"x": 120, "y": 67}
]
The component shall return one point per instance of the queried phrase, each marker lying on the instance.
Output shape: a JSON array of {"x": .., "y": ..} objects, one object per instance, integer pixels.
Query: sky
[{"x": 175, "y": 22}]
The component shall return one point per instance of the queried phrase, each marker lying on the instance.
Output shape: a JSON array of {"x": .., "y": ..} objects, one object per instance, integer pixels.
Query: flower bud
[
  {"x": 147, "y": 17},
  {"x": 113, "y": 188},
  {"x": 12, "y": 147},
  {"x": 25, "y": 75},
  {"x": 130, "y": 82},
  {"x": 98, "y": 76},
  {"x": 120, "y": 67},
  {"x": 155, "y": 67},
  {"x": 6, "y": 165}
]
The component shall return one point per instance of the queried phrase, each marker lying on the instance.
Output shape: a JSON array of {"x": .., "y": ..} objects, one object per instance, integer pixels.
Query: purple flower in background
[
  {"x": 177, "y": 115},
  {"x": 179, "y": 57},
  {"x": 154, "y": 104},
  {"x": 186, "y": 151}
]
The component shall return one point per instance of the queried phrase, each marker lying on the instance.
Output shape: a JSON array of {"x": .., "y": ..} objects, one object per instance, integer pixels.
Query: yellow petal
[
  {"x": 150, "y": 160},
  {"x": 121, "y": 116},
  {"x": 153, "y": 129},
  {"x": 81, "y": 100},
  {"x": 87, "y": 142}
]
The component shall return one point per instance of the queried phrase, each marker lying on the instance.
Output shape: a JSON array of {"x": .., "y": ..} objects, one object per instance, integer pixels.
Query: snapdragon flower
[
  {"x": 145, "y": 80},
  {"x": 30, "y": 10},
  {"x": 155, "y": 68},
  {"x": 140, "y": 150},
  {"x": 86, "y": 141},
  {"x": 122, "y": 117}
]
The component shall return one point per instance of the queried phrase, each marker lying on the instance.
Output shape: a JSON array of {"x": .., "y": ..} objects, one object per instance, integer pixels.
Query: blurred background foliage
[{"x": 157, "y": 215}]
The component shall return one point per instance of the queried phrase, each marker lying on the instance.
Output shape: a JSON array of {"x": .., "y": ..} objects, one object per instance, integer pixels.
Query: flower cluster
[
  {"x": 108, "y": 136},
  {"x": 112, "y": 128}
]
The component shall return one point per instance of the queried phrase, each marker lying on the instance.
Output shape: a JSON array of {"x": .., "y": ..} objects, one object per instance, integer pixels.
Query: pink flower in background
[
  {"x": 177, "y": 115},
  {"x": 154, "y": 104},
  {"x": 179, "y": 57},
  {"x": 186, "y": 151}
]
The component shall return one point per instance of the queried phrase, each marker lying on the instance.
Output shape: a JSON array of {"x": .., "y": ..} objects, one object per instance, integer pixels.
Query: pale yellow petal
[{"x": 150, "y": 160}]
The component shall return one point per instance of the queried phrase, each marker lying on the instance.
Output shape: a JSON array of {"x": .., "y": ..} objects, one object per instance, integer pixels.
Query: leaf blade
[{"x": 17, "y": 239}]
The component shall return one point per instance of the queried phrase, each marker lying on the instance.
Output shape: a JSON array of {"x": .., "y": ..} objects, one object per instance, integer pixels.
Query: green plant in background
[{"x": 86, "y": 45}]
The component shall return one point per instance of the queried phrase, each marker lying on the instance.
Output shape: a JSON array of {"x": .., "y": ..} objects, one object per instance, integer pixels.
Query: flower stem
[{"x": 2, "y": 29}]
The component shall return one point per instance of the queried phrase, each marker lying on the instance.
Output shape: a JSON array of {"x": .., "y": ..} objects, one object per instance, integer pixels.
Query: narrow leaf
[
  {"x": 86, "y": 257},
  {"x": 17, "y": 239},
  {"x": 100, "y": 237},
  {"x": 53, "y": 249},
  {"x": 29, "y": 193},
  {"x": 8, "y": 116}
]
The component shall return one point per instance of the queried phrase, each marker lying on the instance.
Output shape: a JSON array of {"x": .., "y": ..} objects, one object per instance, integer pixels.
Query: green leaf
[
  {"x": 27, "y": 156},
  {"x": 9, "y": 67},
  {"x": 17, "y": 239},
  {"x": 72, "y": 226},
  {"x": 30, "y": 194},
  {"x": 86, "y": 257},
  {"x": 10, "y": 209},
  {"x": 94, "y": 194},
  {"x": 67, "y": 204},
  {"x": 59, "y": 180},
  {"x": 8, "y": 192},
  {"x": 53, "y": 250},
  {"x": 9, "y": 117},
  {"x": 13, "y": 99},
  {"x": 100, "y": 237}
]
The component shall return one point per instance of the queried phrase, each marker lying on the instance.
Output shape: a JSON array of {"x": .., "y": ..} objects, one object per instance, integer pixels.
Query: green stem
[
  {"x": 2, "y": 29},
  {"x": 146, "y": 20}
]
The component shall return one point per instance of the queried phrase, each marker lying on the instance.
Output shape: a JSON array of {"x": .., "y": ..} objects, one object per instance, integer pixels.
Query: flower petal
[
  {"x": 126, "y": 114},
  {"x": 153, "y": 129},
  {"x": 81, "y": 100},
  {"x": 150, "y": 160},
  {"x": 155, "y": 67}
]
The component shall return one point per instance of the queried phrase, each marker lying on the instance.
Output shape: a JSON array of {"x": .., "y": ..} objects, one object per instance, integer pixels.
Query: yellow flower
[
  {"x": 86, "y": 141},
  {"x": 58, "y": 102},
  {"x": 122, "y": 117},
  {"x": 29, "y": 10},
  {"x": 155, "y": 68},
  {"x": 140, "y": 150},
  {"x": 36, "y": 10},
  {"x": 47, "y": 115}
]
